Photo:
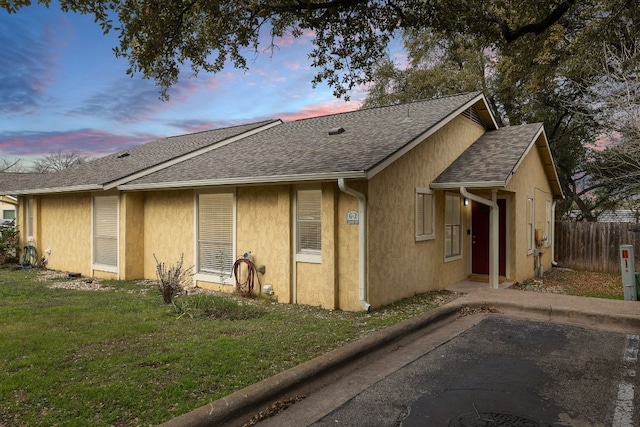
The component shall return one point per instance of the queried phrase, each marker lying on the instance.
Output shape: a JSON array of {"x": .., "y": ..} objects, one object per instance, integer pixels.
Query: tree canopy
[
  {"x": 350, "y": 37},
  {"x": 570, "y": 76}
]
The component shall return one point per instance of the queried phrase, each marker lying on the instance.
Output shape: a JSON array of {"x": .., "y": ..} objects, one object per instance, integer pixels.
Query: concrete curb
[
  {"x": 237, "y": 408},
  {"x": 256, "y": 397}
]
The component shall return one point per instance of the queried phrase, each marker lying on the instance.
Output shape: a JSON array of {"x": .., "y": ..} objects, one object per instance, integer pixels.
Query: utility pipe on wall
[
  {"x": 494, "y": 230},
  {"x": 553, "y": 234},
  {"x": 362, "y": 240}
]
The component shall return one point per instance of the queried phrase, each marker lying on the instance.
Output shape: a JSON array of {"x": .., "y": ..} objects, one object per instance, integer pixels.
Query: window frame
[
  {"x": 29, "y": 219},
  {"x": 213, "y": 274},
  {"x": 531, "y": 239},
  {"x": 449, "y": 228},
  {"x": 305, "y": 254},
  {"x": 548, "y": 222},
  {"x": 112, "y": 236},
  {"x": 424, "y": 212}
]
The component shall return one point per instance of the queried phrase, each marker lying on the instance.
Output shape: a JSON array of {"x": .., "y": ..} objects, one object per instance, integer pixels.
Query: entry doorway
[{"x": 480, "y": 237}]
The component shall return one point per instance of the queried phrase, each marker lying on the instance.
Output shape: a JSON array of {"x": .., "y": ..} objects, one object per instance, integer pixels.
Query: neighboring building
[
  {"x": 344, "y": 211},
  {"x": 8, "y": 207}
]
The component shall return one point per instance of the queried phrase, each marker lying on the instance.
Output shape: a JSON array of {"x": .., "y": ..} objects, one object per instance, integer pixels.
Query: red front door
[{"x": 480, "y": 237}]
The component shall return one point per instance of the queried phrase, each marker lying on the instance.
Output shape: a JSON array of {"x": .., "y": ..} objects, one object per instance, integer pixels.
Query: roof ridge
[
  {"x": 221, "y": 128},
  {"x": 388, "y": 106}
]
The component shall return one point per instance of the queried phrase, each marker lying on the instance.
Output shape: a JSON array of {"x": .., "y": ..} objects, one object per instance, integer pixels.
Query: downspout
[
  {"x": 553, "y": 234},
  {"x": 494, "y": 242},
  {"x": 362, "y": 240}
]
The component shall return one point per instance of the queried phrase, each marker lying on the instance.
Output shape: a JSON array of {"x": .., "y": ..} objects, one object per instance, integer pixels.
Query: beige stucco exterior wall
[
  {"x": 263, "y": 226},
  {"x": 529, "y": 181},
  {"x": 62, "y": 223},
  {"x": 398, "y": 265},
  {"x": 347, "y": 252},
  {"x": 317, "y": 283},
  {"x": 131, "y": 240},
  {"x": 168, "y": 229}
]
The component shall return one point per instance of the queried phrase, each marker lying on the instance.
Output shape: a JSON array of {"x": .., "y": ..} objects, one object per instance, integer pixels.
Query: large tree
[
  {"x": 556, "y": 77},
  {"x": 616, "y": 167},
  {"x": 350, "y": 37},
  {"x": 533, "y": 59}
]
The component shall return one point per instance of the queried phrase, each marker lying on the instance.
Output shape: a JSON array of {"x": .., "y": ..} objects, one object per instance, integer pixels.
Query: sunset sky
[{"x": 62, "y": 90}]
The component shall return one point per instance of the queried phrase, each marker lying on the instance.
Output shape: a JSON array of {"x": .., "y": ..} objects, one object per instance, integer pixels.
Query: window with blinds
[
  {"x": 29, "y": 219},
  {"x": 453, "y": 225},
  {"x": 424, "y": 215},
  {"x": 309, "y": 221},
  {"x": 530, "y": 222},
  {"x": 105, "y": 231},
  {"x": 216, "y": 252}
]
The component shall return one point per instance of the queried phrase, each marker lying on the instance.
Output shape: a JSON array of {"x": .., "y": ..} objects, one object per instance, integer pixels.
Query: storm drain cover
[{"x": 494, "y": 419}]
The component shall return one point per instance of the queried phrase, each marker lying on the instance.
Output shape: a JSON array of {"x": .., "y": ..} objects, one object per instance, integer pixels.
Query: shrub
[
  {"x": 171, "y": 280},
  {"x": 8, "y": 244}
]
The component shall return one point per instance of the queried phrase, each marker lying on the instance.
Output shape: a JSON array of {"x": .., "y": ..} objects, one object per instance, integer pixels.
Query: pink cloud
[
  {"x": 331, "y": 107},
  {"x": 294, "y": 66},
  {"x": 88, "y": 142}
]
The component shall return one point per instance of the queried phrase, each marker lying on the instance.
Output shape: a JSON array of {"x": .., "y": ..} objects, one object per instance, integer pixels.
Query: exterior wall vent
[
  {"x": 472, "y": 114},
  {"x": 336, "y": 131}
]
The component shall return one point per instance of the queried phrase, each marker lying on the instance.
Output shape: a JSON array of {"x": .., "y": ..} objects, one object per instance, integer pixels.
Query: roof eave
[
  {"x": 457, "y": 185},
  {"x": 548, "y": 163},
  {"x": 69, "y": 189},
  {"x": 432, "y": 130},
  {"x": 275, "y": 179}
]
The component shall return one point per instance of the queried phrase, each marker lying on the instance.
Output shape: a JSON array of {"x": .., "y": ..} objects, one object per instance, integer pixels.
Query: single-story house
[{"x": 344, "y": 211}]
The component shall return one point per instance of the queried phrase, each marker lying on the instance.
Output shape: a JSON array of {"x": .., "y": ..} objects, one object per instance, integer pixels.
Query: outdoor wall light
[{"x": 466, "y": 201}]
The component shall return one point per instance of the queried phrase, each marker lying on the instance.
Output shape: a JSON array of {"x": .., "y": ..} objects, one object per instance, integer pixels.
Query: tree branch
[{"x": 536, "y": 27}]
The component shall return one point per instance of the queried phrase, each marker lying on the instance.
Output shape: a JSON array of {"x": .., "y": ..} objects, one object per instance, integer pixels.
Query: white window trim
[
  {"x": 104, "y": 267},
  {"x": 432, "y": 235},
  {"x": 531, "y": 222},
  {"x": 460, "y": 255},
  {"x": 206, "y": 276},
  {"x": 307, "y": 256},
  {"x": 548, "y": 223},
  {"x": 29, "y": 219}
]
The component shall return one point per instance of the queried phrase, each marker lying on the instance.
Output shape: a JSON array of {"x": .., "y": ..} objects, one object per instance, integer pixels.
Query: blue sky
[{"x": 63, "y": 89}]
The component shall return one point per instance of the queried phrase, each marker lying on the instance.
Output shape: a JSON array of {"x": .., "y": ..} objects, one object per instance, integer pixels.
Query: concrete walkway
[{"x": 377, "y": 354}]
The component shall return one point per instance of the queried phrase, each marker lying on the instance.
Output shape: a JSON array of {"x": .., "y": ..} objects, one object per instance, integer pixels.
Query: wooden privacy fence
[{"x": 595, "y": 246}]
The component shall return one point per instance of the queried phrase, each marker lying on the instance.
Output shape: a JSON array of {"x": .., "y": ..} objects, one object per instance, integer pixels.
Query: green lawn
[{"x": 121, "y": 357}]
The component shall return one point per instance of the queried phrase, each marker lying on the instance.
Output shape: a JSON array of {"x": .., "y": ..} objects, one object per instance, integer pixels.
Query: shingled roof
[
  {"x": 494, "y": 158},
  {"x": 106, "y": 172},
  {"x": 347, "y": 145},
  {"x": 355, "y": 144}
]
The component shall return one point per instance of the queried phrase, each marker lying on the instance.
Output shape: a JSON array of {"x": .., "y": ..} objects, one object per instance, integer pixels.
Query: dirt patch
[{"x": 566, "y": 281}]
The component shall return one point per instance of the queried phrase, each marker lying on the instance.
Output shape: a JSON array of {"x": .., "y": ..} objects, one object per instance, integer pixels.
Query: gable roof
[
  {"x": 491, "y": 161},
  {"x": 108, "y": 171},
  {"x": 356, "y": 144}
]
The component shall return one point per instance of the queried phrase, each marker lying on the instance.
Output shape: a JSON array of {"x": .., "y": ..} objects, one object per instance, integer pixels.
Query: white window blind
[
  {"x": 309, "y": 221},
  {"x": 215, "y": 233},
  {"x": 105, "y": 230},
  {"x": 424, "y": 215},
  {"x": 29, "y": 219},
  {"x": 453, "y": 220}
]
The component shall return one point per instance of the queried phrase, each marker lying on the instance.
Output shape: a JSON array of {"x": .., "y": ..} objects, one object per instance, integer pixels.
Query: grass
[
  {"x": 579, "y": 283},
  {"x": 117, "y": 356}
]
